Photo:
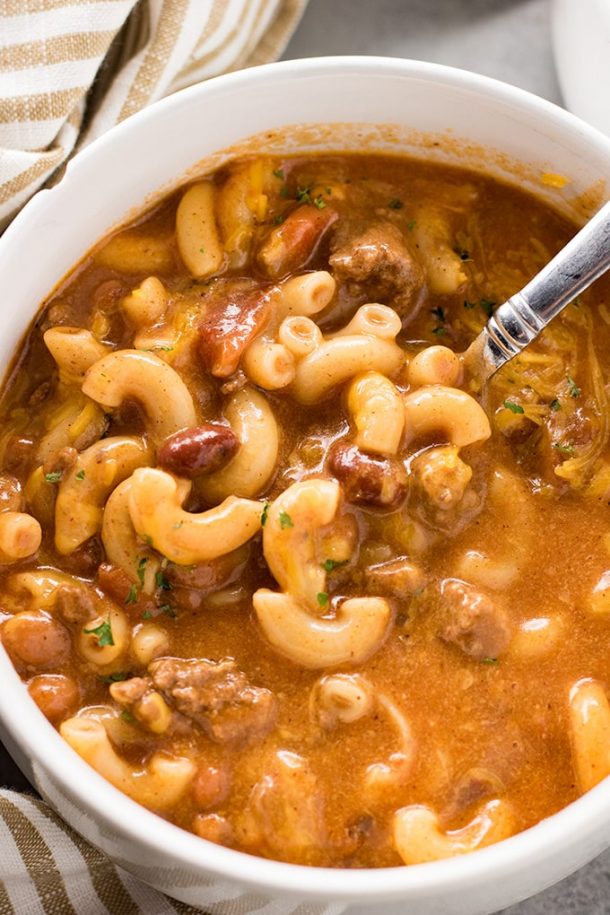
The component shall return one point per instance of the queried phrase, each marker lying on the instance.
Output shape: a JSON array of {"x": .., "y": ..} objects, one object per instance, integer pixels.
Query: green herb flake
[
  {"x": 132, "y": 597},
  {"x": 177, "y": 525},
  {"x": 411, "y": 224},
  {"x": 162, "y": 582},
  {"x": 116, "y": 677},
  {"x": 53, "y": 477},
  {"x": 329, "y": 565},
  {"x": 303, "y": 194},
  {"x": 489, "y": 660},
  {"x": 284, "y": 192},
  {"x": 319, "y": 202},
  {"x": 147, "y": 615},
  {"x": 564, "y": 449},
  {"x": 488, "y": 306},
  {"x": 279, "y": 173},
  {"x": 513, "y": 407},
  {"x": 438, "y": 313},
  {"x": 127, "y": 717},
  {"x": 279, "y": 219},
  {"x": 573, "y": 389},
  {"x": 165, "y": 349},
  {"x": 202, "y": 250},
  {"x": 322, "y": 598},
  {"x": 285, "y": 520},
  {"x": 148, "y": 540},
  {"x": 439, "y": 331},
  {"x": 555, "y": 405},
  {"x": 395, "y": 204},
  {"x": 141, "y": 569},
  {"x": 80, "y": 475},
  {"x": 168, "y": 610},
  {"x": 469, "y": 305},
  {"x": 103, "y": 633},
  {"x": 265, "y": 513}
]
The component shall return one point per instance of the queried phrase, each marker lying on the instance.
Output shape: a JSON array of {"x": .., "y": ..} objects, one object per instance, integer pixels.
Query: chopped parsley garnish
[
  {"x": 564, "y": 449},
  {"x": 141, "y": 569},
  {"x": 265, "y": 513},
  {"x": 127, "y": 717},
  {"x": 80, "y": 475},
  {"x": 116, "y": 677},
  {"x": 168, "y": 610},
  {"x": 555, "y": 405},
  {"x": 147, "y": 615},
  {"x": 486, "y": 304},
  {"x": 573, "y": 389},
  {"x": 285, "y": 520},
  {"x": 462, "y": 253},
  {"x": 162, "y": 582},
  {"x": 411, "y": 224},
  {"x": 103, "y": 633},
  {"x": 329, "y": 565},
  {"x": 513, "y": 407},
  {"x": 148, "y": 540},
  {"x": 303, "y": 194},
  {"x": 284, "y": 192},
  {"x": 165, "y": 349},
  {"x": 489, "y": 660},
  {"x": 439, "y": 331},
  {"x": 319, "y": 202},
  {"x": 132, "y": 597},
  {"x": 202, "y": 250},
  {"x": 279, "y": 173},
  {"x": 322, "y": 598},
  {"x": 279, "y": 219},
  {"x": 395, "y": 204},
  {"x": 53, "y": 477}
]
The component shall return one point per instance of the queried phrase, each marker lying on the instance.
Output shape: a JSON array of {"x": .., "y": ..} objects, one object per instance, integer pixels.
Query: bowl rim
[{"x": 97, "y": 797}]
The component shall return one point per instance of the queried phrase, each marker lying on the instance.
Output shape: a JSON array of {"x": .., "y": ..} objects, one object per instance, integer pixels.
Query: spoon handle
[{"x": 521, "y": 318}]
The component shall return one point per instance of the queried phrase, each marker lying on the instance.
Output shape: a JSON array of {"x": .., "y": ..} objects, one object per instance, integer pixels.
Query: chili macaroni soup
[{"x": 270, "y": 562}]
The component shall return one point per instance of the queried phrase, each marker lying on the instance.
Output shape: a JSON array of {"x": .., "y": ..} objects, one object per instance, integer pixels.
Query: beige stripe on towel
[{"x": 70, "y": 69}]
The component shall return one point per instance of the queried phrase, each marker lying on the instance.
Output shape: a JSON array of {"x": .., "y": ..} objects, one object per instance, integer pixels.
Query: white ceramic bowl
[
  {"x": 581, "y": 42},
  {"x": 429, "y": 105}
]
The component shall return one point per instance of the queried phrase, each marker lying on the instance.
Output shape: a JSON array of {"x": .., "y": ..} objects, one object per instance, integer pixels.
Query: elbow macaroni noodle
[
  {"x": 292, "y": 542},
  {"x": 155, "y": 506},
  {"x": 146, "y": 378}
]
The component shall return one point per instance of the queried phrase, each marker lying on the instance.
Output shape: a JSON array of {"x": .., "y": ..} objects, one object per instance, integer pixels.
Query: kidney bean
[
  {"x": 11, "y": 499},
  {"x": 198, "y": 450},
  {"x": 118, "y": 586},
  {"x": 214, "y": 828},
  {"x": 211, "y": 786},
  {"x": 34, "y": 639},
  {"x": 234, "y": 313},
  {"x": 290, "y": 245},
  {"x": 366, "y": 478},
  {"x": 55, "y": 695}
]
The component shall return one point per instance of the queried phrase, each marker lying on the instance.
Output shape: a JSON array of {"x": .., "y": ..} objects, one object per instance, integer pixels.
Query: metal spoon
[{"x": 520, "y": 319}]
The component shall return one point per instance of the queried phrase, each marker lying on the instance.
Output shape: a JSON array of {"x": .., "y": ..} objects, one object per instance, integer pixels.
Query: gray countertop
[{"x": 506, "y": 39}]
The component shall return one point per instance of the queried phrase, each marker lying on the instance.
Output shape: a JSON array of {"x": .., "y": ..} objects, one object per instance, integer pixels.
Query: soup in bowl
[{"x": 273, "y": 564}]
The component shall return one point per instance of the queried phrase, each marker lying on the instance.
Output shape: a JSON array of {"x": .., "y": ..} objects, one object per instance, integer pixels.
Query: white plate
[{"x": 581, "y": 41}]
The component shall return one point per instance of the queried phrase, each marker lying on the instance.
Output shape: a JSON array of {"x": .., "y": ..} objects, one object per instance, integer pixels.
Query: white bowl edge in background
[
  {"x": 581, "y": 45},
  {"x": 101, "y": 186}
]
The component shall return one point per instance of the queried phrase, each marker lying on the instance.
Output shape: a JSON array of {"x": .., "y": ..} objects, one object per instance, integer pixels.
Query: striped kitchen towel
[
  {"x": 48, "y": 869},
  {"x": 70, "y": 69}
]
